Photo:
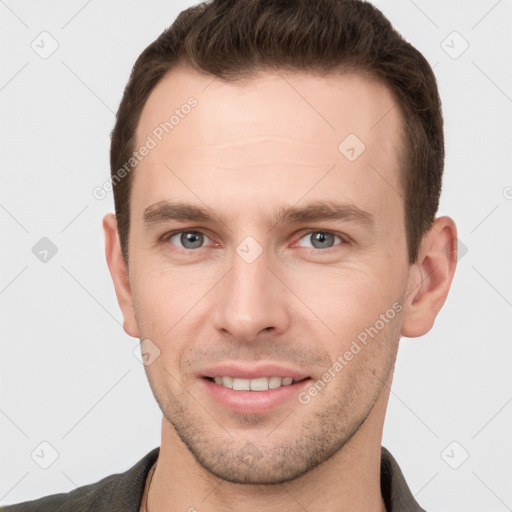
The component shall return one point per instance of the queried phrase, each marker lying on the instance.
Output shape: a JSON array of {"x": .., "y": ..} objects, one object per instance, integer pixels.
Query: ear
[
  {"x": 119, "y": 272},
  {"x": 430, "y": 278}
]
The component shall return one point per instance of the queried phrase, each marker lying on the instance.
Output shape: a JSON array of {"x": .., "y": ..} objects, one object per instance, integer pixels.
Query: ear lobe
[
  {"x": 430, "y": 278},
  {"x": 119, "y": 273}
]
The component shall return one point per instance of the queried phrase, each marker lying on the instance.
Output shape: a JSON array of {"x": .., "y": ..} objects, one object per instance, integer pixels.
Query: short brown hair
[{"x": 234, "y": 39}]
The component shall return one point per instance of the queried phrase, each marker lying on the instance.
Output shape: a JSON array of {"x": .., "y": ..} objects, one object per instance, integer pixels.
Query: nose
[{"x": 251, "y": 300}]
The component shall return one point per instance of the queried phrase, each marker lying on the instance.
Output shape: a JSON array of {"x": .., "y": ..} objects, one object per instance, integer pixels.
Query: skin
[{"x": 246, "y": 151}]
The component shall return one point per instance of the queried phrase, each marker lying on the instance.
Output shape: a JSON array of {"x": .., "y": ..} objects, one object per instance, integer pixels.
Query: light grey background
[{"x": 68, "y": 373}]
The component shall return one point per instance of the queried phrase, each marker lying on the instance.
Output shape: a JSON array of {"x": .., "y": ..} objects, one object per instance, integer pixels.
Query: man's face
[{"x": 253, "y": 293}]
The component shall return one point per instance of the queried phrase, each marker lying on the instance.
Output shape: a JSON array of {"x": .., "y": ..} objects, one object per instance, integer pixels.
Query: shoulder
[
  {"x": 82, "y": 498},
  {"x": 118, "y": 492},
  {"x": 395, "y": 491}
]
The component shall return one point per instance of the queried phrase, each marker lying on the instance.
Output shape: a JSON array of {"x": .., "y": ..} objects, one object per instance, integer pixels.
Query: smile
[{"x": 258, "y": 384}]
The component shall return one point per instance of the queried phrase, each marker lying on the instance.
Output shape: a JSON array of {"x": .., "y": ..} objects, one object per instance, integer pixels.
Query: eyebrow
[{"x": 165, "y": 211}]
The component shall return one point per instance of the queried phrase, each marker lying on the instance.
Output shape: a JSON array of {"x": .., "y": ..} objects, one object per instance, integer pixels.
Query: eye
[
  {"x": 320, "y": 239},
  {"x": 187, "y": 239}
]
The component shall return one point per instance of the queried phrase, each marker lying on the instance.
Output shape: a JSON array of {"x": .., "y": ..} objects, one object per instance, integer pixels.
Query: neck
[{"x": 349, "y": 480}]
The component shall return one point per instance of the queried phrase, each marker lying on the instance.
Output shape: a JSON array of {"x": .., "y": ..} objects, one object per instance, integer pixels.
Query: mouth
[
  {"x": 258, "y": 384},
  {"x": 253, "y": 389}
]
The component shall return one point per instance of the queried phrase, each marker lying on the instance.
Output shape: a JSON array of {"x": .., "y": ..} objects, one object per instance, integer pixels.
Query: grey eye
[
  {"x": 188, "y": 239},
  {"x": 320, "y": 239}
]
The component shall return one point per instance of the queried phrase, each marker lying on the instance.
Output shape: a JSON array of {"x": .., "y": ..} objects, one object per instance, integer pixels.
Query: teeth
[
  {"x": 259, "y": 384},
  {"x": 241, "y": 384},
  {"x": 274, "y": 382},
  {"x": 227, "y": 382}
]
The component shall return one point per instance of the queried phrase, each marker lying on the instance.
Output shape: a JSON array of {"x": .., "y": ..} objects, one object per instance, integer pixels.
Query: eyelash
[{"x": 344, "y": 239}]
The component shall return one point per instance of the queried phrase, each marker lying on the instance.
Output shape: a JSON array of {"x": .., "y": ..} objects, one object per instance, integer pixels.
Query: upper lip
[{"x": 252, "y": 371}]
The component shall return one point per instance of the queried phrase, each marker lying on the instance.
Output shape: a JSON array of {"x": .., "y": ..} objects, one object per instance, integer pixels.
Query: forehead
[
  {"x": 295, "y": 103},
  {"x": 284, "y": 129}
]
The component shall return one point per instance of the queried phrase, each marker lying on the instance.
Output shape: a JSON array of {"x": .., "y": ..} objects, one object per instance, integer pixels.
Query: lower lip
[{"x": 253, "y": 402}]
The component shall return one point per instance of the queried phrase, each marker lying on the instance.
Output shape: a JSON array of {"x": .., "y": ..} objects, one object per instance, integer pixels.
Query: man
[{"x": 276, "y": 168}]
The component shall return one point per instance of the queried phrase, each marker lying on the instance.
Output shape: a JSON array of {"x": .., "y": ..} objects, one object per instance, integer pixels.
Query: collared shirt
[{"x": 123, "y": 492}]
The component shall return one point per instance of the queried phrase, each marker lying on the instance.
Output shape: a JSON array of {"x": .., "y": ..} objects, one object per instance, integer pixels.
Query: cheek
[
  {"x": 171, "y": 308},
  {"x": 339, "y": 304},
  {"x": 167, "y": 293}
]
